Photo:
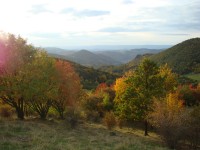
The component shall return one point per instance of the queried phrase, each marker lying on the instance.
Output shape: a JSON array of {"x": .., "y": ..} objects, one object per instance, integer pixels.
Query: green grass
[
  {"x": 194, "y": 76},
  {"x": 57, "y": 135}
]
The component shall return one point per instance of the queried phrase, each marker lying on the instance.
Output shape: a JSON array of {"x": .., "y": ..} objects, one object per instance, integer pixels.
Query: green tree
[
  {"x": 42, "y": 87},
  {"x": 11, "y": 93},
  {"x": 145, "y": 84},
  {"x": 15, "y": 54}
]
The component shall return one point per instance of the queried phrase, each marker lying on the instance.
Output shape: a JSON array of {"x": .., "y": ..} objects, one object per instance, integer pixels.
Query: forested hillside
[
  {"x": 183, "y": 58},
  {"x": 121, "y": 69},
  {"x": 87, "y": 58},
  {"x": 90, "y": 77}
]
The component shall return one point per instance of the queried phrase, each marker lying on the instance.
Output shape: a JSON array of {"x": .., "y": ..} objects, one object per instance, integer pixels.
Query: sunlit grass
[
  {"x": 39, "y": 135},
  {"x": 194, "y": 76}
]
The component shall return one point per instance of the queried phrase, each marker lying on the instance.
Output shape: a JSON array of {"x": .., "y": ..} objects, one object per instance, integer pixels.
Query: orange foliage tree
[
  {"x": 69, "y": 87},
  {"x": 100, "y": 88}
]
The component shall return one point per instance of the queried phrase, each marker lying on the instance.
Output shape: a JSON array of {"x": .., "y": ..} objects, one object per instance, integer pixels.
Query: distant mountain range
[
  {"x": 99, "y": 58},
  {"x": 183, "y": 58},
  {"x": 115, "y": 47},
  {"x": 125, "y": 56}
]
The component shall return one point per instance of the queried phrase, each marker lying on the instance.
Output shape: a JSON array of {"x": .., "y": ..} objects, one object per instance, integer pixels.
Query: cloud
[
  {"x": 119, "y": 29},
  {"x": 85, "y": 13},
  {"x": 127, "y": 1},
  {"x": 91, "y": 13},
  {"x": 179, "y": 17},
  {"x": 37, "y": 9},
  {"x": 176, "y": 34},
  {"x": 67, "y": 11},
  {"x": 46, "y": 35}
]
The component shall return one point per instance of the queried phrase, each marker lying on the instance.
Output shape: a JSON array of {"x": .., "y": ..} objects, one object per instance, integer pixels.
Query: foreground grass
[{"x": 40, "y": 135}]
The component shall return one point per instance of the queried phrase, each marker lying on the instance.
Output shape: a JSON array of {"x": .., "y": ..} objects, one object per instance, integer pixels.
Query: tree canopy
[{"x": 146, "y": 83}]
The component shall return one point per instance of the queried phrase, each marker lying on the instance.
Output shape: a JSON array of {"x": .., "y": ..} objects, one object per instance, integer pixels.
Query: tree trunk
[
  {"x": 20, "y": 113},
  {"x": 146, "y": 128},
  {"x": 61, "y": 115},
  {"x": 43, "y": 114}
]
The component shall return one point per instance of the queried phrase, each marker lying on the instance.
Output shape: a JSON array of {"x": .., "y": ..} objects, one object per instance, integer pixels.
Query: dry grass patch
[{"x": 39, "y": 135}]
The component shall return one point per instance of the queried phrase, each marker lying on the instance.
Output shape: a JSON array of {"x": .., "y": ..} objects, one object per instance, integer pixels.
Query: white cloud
[{"x": 82, "y": 22}]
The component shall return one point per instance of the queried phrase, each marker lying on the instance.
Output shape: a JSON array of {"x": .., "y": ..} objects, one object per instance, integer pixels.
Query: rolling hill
[
  {"x": 124, "y": 56},
  {"x": 84, "y": 57},
  {"x": 120, "y": 70},
  {"x": 90, "y": 77},
  {"x": 58, "y": 51},
  {"x": 183, "y": 58},
  {"x": 99, "y": 58},
  {"x": 88, "y": 58}
]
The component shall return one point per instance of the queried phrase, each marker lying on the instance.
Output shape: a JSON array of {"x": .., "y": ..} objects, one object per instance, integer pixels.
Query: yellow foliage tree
[
  {"x": 170, "y": 78},
  {"x": 121, "y": 86}
]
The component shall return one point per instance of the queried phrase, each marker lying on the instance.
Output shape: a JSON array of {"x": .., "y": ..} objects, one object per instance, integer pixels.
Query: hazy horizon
[{"x": 111, "y": 47}]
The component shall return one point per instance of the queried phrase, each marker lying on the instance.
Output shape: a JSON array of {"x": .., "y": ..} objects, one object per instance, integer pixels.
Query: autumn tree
[
  {"x": 169, "y": 79},
  {"x": 15, "y": 53},
  {"x": 69, "y": 87},
  {"x": 11, "y": 93},
  {"x": 100, "y": 88},
  {"x": 169, "y": 118},
  {"x": 190, "y": 95},
  {"x": 120, "y": 103},
  {"x": 42, "y": 85},
  {"x": 146, "y": 83}
]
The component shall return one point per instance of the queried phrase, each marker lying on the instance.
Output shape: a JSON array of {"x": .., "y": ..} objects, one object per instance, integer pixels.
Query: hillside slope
[
  {"x": 120, "y": 70},
  {"x": 125, "y": 56},
  {"x": 183, "y": 58},
  {"x": 90, "y": 77},
  {"x": 88, "y": 58}
]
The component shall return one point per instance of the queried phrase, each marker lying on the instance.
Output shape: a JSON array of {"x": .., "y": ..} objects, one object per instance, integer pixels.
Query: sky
[{"x": 64, "y": 23}]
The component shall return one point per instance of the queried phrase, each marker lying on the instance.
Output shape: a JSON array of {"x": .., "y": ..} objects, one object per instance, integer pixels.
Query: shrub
[
  {"x": 109, "y": 120},
  {"x": 93, "y": 116},
  {"x": 93, "y": 108},
  {"x": 169, "y": 118},
  {"x": 6, "y": 111},
  {"x": 52, "y": 113},
  {"x": 72, "y": 117},
  {"x": 120, "y": 122},
  {"x": 190, "y": 95},
  {"x": 193, "y": 128}
]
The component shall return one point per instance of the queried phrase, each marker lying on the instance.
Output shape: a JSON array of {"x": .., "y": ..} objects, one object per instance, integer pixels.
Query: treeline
[{"x": 33, "y": 84}]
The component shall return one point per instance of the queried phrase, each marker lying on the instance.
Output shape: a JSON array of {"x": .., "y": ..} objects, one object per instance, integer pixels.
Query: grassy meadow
[
  {"x": 58, "y": 135},
  {"x": 194, "y": 76}
]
